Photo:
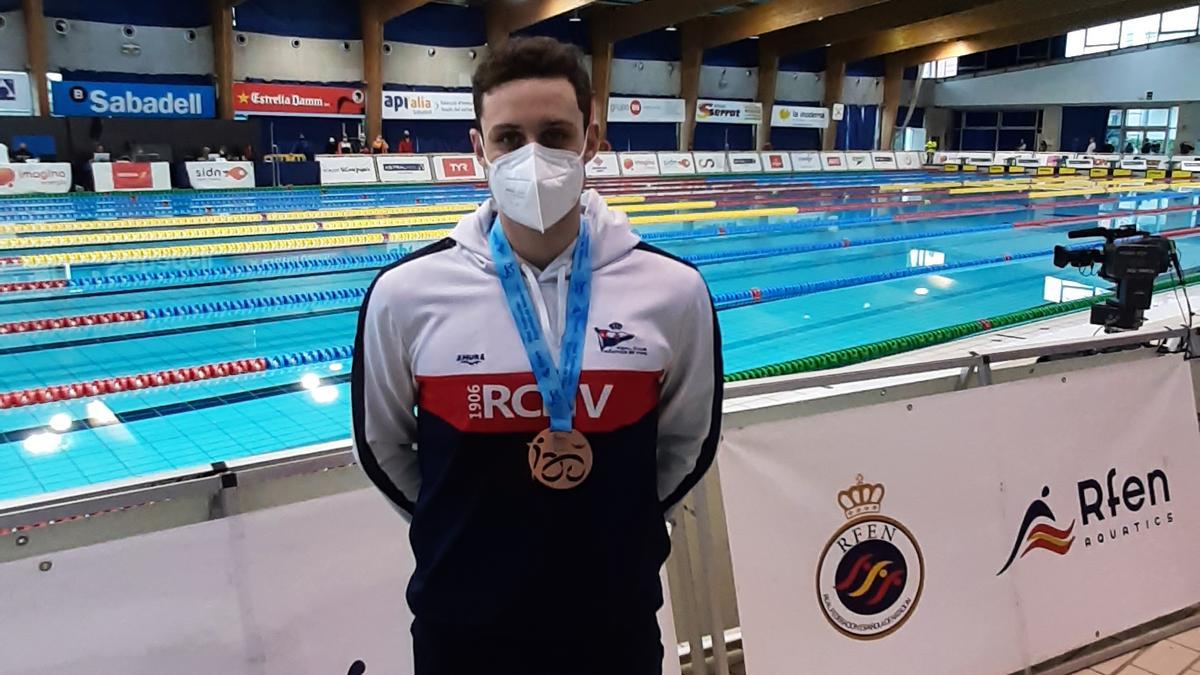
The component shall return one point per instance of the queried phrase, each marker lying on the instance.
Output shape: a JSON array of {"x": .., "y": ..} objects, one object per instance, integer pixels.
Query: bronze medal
[{"x": 560, "y": 459}]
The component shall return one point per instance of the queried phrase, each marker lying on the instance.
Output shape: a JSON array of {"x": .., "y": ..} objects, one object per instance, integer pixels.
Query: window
[
  {"x": 1139, "y": 31},
  {"x": 1143, "y": 30},
  {"x": 1136, "y": 129},
  {"x": 938, "y": 70}
]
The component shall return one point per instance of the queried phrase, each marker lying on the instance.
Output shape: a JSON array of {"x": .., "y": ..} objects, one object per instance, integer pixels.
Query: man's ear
[
  {"x": 591, "y": 138},
  {"x": 477, "y": 145}
]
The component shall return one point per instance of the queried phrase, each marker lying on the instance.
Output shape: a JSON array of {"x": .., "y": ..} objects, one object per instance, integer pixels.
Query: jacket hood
[{"x": 612, "y": 236}]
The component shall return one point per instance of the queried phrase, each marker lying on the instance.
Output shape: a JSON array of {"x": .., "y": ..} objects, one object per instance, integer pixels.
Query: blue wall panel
[
  {"x": 717, "y": 136},
  {"x": 175, "y": 13},
  {"x": 1081, "y": 122},
  {"x": 626, "y": 136},
  {"x": 438, "y": 25},
  {"x": 659, "y": 45},
  {"x": 740, "y": 54},
  {"x": 811, "y": 61},
  {"x": 299, "y": 18}
]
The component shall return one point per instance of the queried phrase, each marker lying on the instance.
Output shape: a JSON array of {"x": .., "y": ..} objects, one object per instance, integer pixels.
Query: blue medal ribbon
[{"x": 558, "y": 383}]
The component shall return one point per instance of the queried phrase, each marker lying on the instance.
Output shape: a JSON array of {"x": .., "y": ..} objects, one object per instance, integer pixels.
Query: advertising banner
[
  {"x": 909, "y": 160},
  {"x": 131, "y": 176},
  {"x": 69, "y": 98},
  {"x": 728, "y": 112},
  {"x": 451, "y": 168},
  {"x": 638, "y": 163},
  {"x": 1027, "y": 162},
  {"x": 799, "y": 116},
  {"x": 806, "y": 161},
  {"x": 859, "y": 161},
  {"x": 15, "y": 96},
  {"x": 305, "y": 100},
  {"x": 1189, "y": 164},
  {"x": 833, "y": 161},
  {"x": 218, "y": 595},
  {"x": 346, "y": 169},
  {"x": 979, "y": 158},
  {"x": 645, "y": 109},
  {"x": 604, "y": 164},
  {"x": 403, "y": 169},
  {"x": 711, "y": 162},
  {"x": 676, "y": 163},
  {"x": 1135, "y": 164},
  {"x": 745, "y": 162},
  {"x": 884, "y": 160},
  {"x": 867, "y": 537},
  {"x": 776, "y": 162},
  {"x": 38, "y": 177},
  {"x": 414, "y": 105},
  {"x": 220, "y": 175}
]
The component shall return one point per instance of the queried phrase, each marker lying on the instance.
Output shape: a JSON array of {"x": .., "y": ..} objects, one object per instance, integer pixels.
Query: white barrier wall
[
  {"x": 745, "y": 162},
  {"x": 806, "y": 161},
  {"x": 306, "y": 589},
  {"x": 347, "y": 169},
  {"x": 220, "y": 175},
  {"x": 603, "y": 165},
  {"x": 979, "y": 531},
  {"x": 776, "y": 162},
  {"x": 37, "y": 177},
  {"x": 639, "y": 163},
  {"x": 711, "y": 162},
  {"x": 676, "y": 164},
  {"x": 403, "y": 169},
  {"x": 859, "y": 161},
  {"x": 131, "y": 176}
]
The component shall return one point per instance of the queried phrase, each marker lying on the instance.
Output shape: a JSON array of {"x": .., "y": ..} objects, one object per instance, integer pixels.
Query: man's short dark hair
[{"x": 522, "y": 58}]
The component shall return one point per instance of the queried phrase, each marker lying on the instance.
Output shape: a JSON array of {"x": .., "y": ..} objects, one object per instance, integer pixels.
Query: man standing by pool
[{"x": 566, "y": 381}]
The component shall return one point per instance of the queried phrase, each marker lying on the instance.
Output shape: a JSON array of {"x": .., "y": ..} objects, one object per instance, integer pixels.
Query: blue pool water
[{"x": 91, "y": 440}]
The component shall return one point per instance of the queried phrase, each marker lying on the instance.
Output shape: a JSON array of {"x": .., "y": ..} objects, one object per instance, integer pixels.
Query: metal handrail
[{"x": 212, "y": 479}]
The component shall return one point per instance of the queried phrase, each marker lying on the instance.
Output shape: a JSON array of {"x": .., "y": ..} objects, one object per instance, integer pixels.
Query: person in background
[
  {"x": 605, "y": 146},
  {"x": 1043, "y": 146},
  {"x": 99, "y": 154},
  {"x": 3, "y": 153},
  {"x": 1091, "y": 146},
  {"x": 1128, "y": 148},
  {"x": 331, "y": 147},
  {"x": 1146, "y": 147},
  {"x": 223, "y": 153},
  {"x": 22, "y": 153},
  {"x": 379, "y": 146},
  {"x": 300, "y": 147},
  {"x": 406, "y": 144},
  {"x": 1021, "y": 146},
  {"x": 1186, "y": 148},
  {"x": 345, "y": 147},
  {"x": 204, "y": 153},
  {"x": 931, "y": 147}
]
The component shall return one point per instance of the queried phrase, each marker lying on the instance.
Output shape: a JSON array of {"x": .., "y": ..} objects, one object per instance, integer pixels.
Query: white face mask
[{"x": 536, "y": 186}]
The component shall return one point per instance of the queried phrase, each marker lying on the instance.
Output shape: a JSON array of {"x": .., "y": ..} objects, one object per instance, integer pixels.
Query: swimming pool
[{"x": 199, "y": 341}]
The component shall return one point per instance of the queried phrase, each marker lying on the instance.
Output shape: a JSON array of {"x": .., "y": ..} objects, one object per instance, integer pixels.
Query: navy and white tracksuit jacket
[{"x": 444, "y": 406}]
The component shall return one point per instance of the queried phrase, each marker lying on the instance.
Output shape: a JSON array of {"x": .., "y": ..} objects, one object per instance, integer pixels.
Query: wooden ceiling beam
[
  {"x": 863, "y": 22},
  {"x": 993, "y": 16},
  {"x": 775, "y": 15},
  {"x": 511, "y": 16},
  {"x": 386, "y": 10},
  {"x": 650, "y": 15},
  {"x": 1013, "y": 35}
]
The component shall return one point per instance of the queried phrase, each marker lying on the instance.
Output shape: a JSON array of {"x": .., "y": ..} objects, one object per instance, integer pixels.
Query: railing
[{"x": 705, "y": 603}]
